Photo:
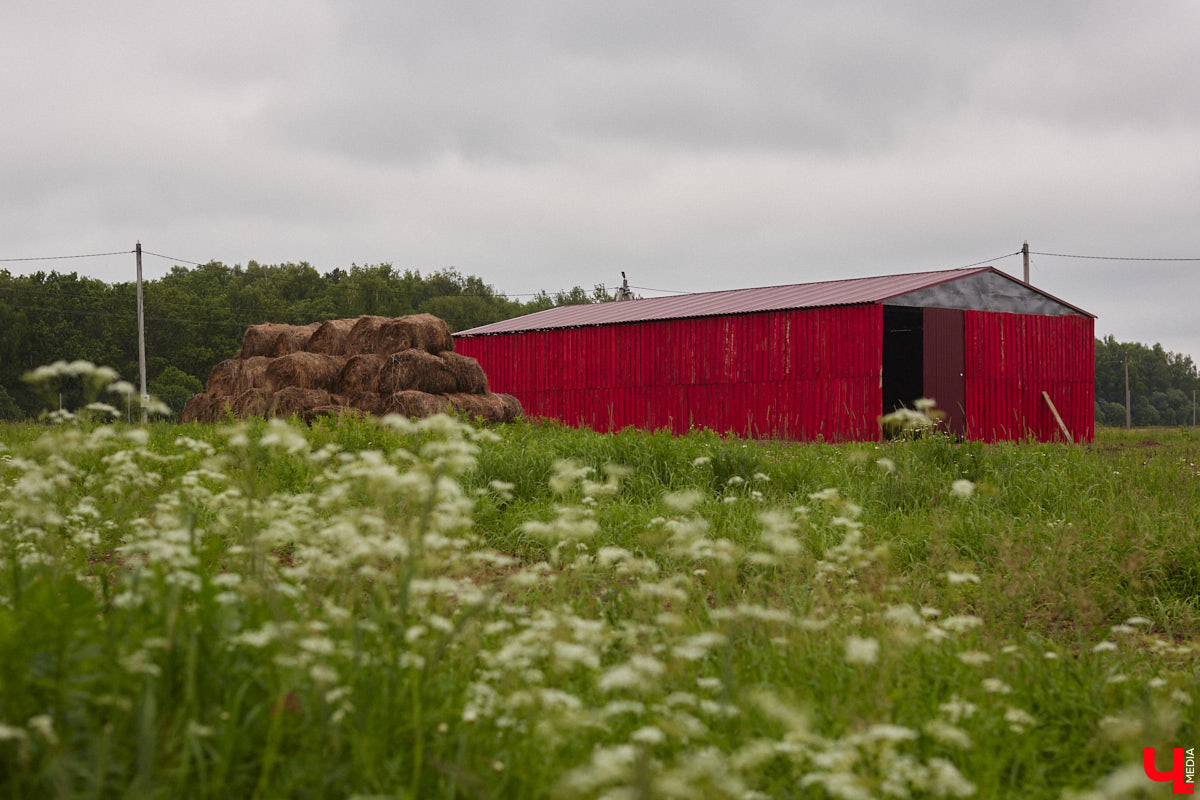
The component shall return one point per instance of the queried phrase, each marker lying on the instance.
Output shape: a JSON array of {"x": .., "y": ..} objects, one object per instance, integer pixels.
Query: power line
[
  {"x": 1110, "y": 258},
  {"x": 988, "y": 260},
  {"x": 60, "y": 258},
  {"x": 173, "y": 258}
]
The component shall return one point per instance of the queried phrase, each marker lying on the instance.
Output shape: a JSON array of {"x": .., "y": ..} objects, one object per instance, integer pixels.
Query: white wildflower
[
  {"x": 861, "y": 650},
  {"x": 962, "y": 488}
]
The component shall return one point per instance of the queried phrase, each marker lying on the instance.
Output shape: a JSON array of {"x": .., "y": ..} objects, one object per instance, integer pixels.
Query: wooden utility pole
[
  {"x": 141, "y": 333},
  {"x": 1025, "y": 255},
  {"x": 1128, "y": 415}
]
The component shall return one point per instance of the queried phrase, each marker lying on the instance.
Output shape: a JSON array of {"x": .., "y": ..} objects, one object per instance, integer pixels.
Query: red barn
[{"x": 807, "y": 360}]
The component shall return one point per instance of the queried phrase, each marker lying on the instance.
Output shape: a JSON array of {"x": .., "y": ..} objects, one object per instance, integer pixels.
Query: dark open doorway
[{"x": 903, "y": 356}]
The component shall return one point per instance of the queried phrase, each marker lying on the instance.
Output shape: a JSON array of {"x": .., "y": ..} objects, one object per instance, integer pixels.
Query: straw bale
[
  {"x": 296, "y": 400},
  {"x": 512, "y": 407},
  {"x": 199, "y": 408},
  {"x": 416, "y": 404},
  {"x": 223, "y": 377},
  {"x": 330, "y": 337},
  {"x": 293, "y": 340},
  {"x": 468, "y": 375},
  {"x": 251, "y": 403},
  {"x": 416, "y": 370},
  {"x": 234, "y": 375},
  {"x": 415, "y": 331},
  {"x": 368, "y": 402},
  {"x": 306, "y": 371},
  {"x": 361, "y": 338},
  {"x": 361, "y": 373},
  {"x": 259, "y": 340},
  {"x": 489, "y": 407}
]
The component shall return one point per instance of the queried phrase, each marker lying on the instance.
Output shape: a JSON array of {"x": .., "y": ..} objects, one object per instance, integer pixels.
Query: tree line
[
  {"x": 195, "y": 318},
  {"x": 1161, "y": 384}
]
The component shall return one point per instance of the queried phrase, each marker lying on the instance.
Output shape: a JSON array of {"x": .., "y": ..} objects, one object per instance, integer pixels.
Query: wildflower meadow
[{"x": 434, "y": 609}]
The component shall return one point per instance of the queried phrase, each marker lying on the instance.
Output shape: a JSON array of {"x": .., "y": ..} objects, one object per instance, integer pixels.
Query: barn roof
[{"x": 984, "y": 288}]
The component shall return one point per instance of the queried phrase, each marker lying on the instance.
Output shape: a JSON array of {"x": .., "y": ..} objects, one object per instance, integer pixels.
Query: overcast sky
[{"x": 694, "y": 145}]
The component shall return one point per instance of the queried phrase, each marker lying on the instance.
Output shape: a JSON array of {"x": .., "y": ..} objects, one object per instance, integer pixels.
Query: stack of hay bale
[{"x": 376, "y": 365}]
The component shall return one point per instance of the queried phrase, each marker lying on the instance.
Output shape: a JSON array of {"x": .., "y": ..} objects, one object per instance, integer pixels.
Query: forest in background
[{"x": 195, "y": 318}]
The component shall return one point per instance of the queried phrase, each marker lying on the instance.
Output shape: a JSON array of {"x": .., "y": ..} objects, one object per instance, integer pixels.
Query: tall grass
[{"x": 424, "y": 609}]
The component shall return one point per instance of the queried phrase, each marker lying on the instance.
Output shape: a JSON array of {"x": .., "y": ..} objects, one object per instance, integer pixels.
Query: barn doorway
[{"x": 903, "y": 357}]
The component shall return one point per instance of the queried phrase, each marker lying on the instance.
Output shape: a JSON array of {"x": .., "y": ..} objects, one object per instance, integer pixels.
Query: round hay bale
[
  {"x": 361, "y": 373},
  {"x": 295, "y": 401},
  {"x": 259, "y": 340},
  {"x": 198, "y": 408},
  {"x": 512, "y": 407},
  {"x": 488, "y": 407},
  {"x": 234, "y": 376},
  {"x": 361, "y": 338},
  {"x": 306, "y": 371},
  {"x": 415, "y": 331},
  {"x": 223, "y": 378},
  {"x": 468, "y": 375},
  {"x": 367, "y": 402},
  {"x": 416, "y": 404},
  {"x": 293, "y": 340},
  {"x": 416, "y": 370},
  {"x": 251, "y": 403},
  {"x": 330, "y": 337}
]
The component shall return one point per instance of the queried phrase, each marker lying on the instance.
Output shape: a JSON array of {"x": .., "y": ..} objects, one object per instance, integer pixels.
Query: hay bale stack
[
  {"x": 369, "y": 364},
  {"x": 468, "y": 375},
  {"x": 330, "y": 337},
  {"x": 305, "y": 371},
  {"x": 361, "y": 373},
  {"x": 416, "y": 370}
]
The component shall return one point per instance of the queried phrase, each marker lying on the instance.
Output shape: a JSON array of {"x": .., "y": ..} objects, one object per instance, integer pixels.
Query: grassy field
[{"x": 428, "y": 610}]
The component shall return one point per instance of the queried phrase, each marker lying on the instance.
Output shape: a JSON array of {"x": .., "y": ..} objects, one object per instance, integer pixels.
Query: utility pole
[
  {"x": 141, "y": 332},
  {"x": 1025, "y": 255},
  {"x": 1128, "y": 415},
  {"x": 624, "y": 292}
]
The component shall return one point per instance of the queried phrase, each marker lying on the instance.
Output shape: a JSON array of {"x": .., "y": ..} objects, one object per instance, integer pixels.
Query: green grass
[{"x": 428, "y": 611}]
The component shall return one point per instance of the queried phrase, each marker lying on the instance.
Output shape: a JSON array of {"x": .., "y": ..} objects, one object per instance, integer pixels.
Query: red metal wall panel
[
  {"x": 1010, "y": 359},
  {"x": 796, "y": 374}
]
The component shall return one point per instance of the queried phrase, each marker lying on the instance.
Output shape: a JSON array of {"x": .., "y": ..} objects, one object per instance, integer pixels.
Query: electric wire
[
  {"x": 61, "y": 258},
  {"x": 1109, "y": 258}
]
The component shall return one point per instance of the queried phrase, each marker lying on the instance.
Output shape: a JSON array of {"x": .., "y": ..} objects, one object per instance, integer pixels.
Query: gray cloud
[{"x": 693, "y": 145}]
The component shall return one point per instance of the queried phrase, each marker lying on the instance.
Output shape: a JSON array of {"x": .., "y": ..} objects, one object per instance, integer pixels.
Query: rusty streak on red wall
[
  {"x": 1011, "y": 359},
  {"x": 795, "y": 374}
]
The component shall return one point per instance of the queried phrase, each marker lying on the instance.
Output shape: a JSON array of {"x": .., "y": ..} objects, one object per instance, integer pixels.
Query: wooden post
[
  {"x": 1128, "y": 413},
  {"x": 1062, "y": 425},
  {"x": 141, "y": 332},
  {"x": 1025, "y": 253}
]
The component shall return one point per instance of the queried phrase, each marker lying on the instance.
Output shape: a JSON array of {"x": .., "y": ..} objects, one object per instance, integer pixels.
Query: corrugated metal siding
[
  {"x": 1010, "y": 359},
  {"x": 794, "y": 374}
]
